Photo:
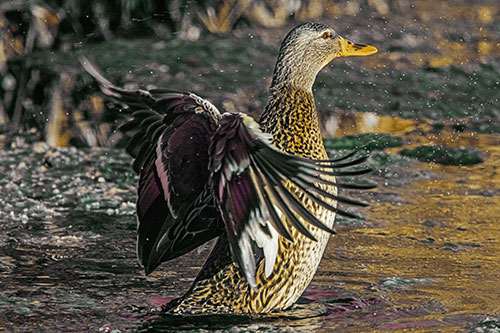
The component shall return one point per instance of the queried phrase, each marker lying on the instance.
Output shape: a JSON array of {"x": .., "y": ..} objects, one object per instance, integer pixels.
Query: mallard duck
[{"x": 266, "y": 189}]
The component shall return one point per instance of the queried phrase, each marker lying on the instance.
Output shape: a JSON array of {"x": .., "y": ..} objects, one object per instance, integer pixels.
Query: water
[{"x": 427, "y": 255}]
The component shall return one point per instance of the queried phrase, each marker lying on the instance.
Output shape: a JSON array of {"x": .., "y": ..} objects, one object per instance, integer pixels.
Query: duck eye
[{"x": 326, "y": 35}]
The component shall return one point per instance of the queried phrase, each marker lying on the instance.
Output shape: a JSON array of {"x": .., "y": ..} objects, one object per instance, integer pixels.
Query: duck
[{"x": 265, "y": 189}]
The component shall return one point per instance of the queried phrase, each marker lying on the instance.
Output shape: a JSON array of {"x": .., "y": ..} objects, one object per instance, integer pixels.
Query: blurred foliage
[
  {"x": 444, "y": 155},
  {"x": 368, "y": 142},
  {"x": 41, "y": 85},
  {"x": 32, "y": 94}
]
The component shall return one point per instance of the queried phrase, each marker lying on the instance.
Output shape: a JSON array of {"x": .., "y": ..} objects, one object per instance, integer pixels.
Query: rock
[
  {"x": 10, "y": 186},
  {"x": 40, "y": 147}
]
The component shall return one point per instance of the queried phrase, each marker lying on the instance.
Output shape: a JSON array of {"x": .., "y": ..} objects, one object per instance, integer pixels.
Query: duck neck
[
  {"x": 291, "y": 117},
  {"x": 294, "y": 69}
]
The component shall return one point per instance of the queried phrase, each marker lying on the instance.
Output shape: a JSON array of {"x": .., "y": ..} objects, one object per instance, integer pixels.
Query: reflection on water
[
  {"x": 341, "y": 123},
  {"x": 427, "y": 255},
  {"x": 445, "y": 231}
]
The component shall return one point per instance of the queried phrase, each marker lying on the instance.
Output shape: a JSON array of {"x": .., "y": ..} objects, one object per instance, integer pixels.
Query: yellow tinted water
[{"x": 443, "y": 227}]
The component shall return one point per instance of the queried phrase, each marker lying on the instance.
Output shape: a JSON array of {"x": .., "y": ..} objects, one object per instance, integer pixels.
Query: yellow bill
[{"x": 349, "y": 48}]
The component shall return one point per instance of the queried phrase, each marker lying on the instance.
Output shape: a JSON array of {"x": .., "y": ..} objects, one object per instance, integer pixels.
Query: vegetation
[
  {"x": 225, "y": 49},
  {"x": 444, "y": 155},
  {"x": 369, "y": 142}
]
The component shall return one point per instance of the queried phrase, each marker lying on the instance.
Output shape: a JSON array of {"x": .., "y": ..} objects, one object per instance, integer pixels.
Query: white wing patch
[
  {"x": 271, "y": 251},
  {"x": 263, "y": 234}
]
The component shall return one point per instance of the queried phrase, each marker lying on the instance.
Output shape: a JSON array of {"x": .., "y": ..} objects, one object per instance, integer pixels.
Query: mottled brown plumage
[
  {"x": 291, "y": 117},
  {"x": 203, "y": 175}
]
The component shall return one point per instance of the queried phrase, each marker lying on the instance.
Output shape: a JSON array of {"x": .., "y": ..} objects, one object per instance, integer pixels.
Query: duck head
[{"x": 307, "y": 49}]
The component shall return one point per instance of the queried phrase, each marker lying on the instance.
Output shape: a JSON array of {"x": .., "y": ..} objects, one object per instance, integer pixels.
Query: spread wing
[
  {"x": 249, "y": 177},
  {"x": 174, "y": 203},
  {"x": 170, "y": 138},
  {"x": 201, "y": 174}
]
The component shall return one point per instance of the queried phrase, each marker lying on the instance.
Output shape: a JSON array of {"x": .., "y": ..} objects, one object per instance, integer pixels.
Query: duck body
[
  {"x": 265, "y": 189},
  {"x": 295, "y": 131}
]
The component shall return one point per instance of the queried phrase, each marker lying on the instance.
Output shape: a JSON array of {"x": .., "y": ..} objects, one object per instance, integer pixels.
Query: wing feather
[
  {"x": 201, "y": 173},
  {"x": 170, "y": 133},
  {"x": 252, "y": 183}
]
